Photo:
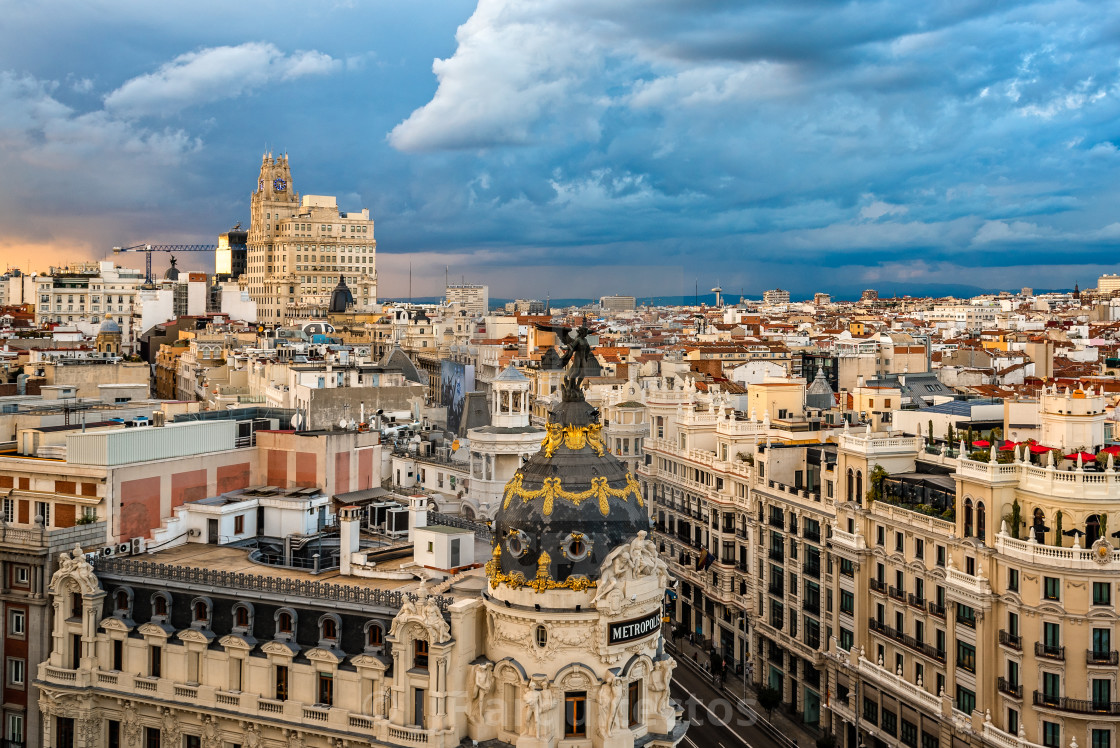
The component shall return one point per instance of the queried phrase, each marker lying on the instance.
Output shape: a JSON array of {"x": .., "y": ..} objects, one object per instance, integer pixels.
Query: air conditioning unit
[
  {"x": 137, "y": 545},
  {"x": 124, "y": 549},
  {"x": 194, "y": 532},
  {"x": 108, "y": 551}
]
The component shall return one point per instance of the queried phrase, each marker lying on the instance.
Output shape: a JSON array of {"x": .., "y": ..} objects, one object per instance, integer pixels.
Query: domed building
[
  {"x": 573, "y": 601},
  {"x": 109, "y": 337}
]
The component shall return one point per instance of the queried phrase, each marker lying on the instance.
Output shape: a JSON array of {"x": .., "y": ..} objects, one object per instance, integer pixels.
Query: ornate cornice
[
  {"x": 551, "y": 489},
  {"x": 541, "y": 582}
]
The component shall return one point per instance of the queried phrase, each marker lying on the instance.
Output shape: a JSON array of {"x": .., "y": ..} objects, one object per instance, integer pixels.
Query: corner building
[
  {"x": 299, "y": 247},
  {"x": 560, "y": 648},
  {"x": 938, "y": 601}
]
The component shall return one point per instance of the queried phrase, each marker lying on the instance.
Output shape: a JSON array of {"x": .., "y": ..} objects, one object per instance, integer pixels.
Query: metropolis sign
[{"x": 636, "y": 628}]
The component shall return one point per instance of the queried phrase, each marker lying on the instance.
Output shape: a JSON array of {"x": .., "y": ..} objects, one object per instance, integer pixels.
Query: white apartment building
[
  {"x": 475, "y": 298},
  {"x": 82, "y": 295},
  {"x": 299, "y": 248}
]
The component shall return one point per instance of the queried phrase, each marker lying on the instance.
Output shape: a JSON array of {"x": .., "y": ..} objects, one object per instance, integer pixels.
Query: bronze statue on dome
[{"x": 577, "y": 351}]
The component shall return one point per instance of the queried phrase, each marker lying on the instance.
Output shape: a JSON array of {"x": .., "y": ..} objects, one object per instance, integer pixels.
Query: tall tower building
[{"x": 299, "y": 247}]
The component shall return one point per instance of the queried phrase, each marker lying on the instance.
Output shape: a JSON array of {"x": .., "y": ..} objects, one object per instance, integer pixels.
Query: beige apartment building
[
  {"x": 895, "y": 593},
  {"x": 299, "y": 248}
]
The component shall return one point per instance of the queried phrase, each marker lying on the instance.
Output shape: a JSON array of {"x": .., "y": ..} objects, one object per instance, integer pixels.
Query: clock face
[{"x": 279, "y": 184}]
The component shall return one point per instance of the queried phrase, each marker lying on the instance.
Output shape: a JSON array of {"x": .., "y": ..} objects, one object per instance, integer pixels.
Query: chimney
[{"x": 350, "y": 519}]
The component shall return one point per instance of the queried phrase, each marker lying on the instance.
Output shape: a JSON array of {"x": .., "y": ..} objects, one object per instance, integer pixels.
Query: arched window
[
  {"x": 851, "y": 485},
  {"x": 328, "y": 628},
  {"x": 859, "y": 487},
  {"x": 981, "y": 521},
  {"x": 160, "y": 605},
  {"x": 201, "y": 611},
  {"x": 375, "y": 635},
  {"x": 122, "y": 601},
  {"x": 242, "y": 617},
  {"x": 285, "y": 622},
  {"x": 1038, "y": 525},
  {"x": 968, "y": 518},
  {"x": 1092, "y": 529}
]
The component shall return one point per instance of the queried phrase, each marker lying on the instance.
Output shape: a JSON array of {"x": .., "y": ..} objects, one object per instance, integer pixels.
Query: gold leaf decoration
[{"x": 551, "y": 489}]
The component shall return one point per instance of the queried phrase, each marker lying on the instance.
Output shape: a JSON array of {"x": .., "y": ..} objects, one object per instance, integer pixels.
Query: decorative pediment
[
  {"x": 236, "y": 641},
  {"x": 283, "y": 649},
  {"x": 73, "y": 566},
  {"x": 197, "y": 636},
  {"x": 425, "y": 612},
  {"x": 161, "y": 630},
  {"x": 374, "y": 662},
  {"x": 117, "y": 624},
  {"x": 322, "y": 654}
]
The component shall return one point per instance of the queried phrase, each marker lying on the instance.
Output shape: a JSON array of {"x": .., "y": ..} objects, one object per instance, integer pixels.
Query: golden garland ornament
[
  {"x": 573, "y": 437},
  {"x": 551, "y": 489},
  {"x": 543, "y": 581}
]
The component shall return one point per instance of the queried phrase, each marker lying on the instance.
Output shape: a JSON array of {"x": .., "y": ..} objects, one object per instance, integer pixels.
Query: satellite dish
[{"x": 297, "y": 421}]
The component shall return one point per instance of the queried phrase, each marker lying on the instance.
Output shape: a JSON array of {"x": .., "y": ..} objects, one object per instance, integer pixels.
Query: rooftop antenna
[{"x": 410, "y": 281}]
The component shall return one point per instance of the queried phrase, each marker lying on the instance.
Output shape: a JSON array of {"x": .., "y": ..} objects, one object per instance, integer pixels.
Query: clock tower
[{"x": 298, "y": 247}]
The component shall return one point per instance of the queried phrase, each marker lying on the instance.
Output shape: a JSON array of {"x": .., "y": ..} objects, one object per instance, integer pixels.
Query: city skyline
[{"x": 857, "y": 146}]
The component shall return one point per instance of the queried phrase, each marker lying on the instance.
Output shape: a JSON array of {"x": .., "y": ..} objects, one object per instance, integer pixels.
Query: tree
[
  {"x": 875, "y": 482},
  {"x": 1016, "y": 518},
  {"x": 1058, "y": 528},
  {"x": 930, "y": 438},
  {"x": 768, "y": 698},
  {"x": 949, "y": 435},
  {"x": 996, "y": 434}
]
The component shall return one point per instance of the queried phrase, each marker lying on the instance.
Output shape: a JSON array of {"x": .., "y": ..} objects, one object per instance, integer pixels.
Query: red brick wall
[
  {"x": 342, "y": 472},
  {"x": 139, "y": 510},
  {"x": 232, "y": 477},
  {"x": 188, "y": 486},
  {"x": 305, "y": 469},
  {"x": 365, "y": 469},
  {"x": 277, "y": 468}
]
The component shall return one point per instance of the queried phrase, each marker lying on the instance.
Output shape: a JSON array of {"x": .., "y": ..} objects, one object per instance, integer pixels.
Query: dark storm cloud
[{"x": 885, "y": 141}]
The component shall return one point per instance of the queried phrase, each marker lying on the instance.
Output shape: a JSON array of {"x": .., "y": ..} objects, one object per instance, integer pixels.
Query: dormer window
[
  {"x": 375, "y": 637},
  {"x": 159, "y": 605},
  {"x": 201, "y": 612},
  {"x": 121, "y": 602},
  {"x": 330, "y": 629},
  {"x": 285, "y": 623}
]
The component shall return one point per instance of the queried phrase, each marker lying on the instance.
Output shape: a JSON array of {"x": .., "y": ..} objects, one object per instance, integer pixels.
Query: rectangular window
[
  {"x": 43, "y": 509},
  {"x": 1052, "y": 686},
  {"x": 13, "y": 729},
  {"x": 966, "y": 700},
  {"x": 1051, "y": 588},
  {"x": 930, "y": 741},
  {"x": 65, "y": 732},
  {"x": 575, "y": 714},
  {"x": 908, "y": 734},
  {"x": 847, "y": 602},
  {"x": 151, "y": 737},
  {"x": 118, "y": 654},
  {"x": 1051, "y": 634},
  {"x": 17, "y": 672},
  {"x": 1013, "y": 721},
  {"x": 940, "y": 555},
  {"x": 239, "y": 524},
  {"x": 155, "y": 662},
  {"x": 17, "y": 623},
  {"x": 889, "y": 723},
  {"x": 966, "y": 658},
  {"x": 1013, "y": 580},
  {"x": 1102, "y": 595},
  {"x": 870, "y": 711},
  {"x": 919, "y": 548},
  {"x": 1102, "y": 694},
  {"x": 847, "y": 639},
  {"x": 420, "y": 654},
  {"x": 634, "y": 705},
  {"x": 326, "y": 689},
  {"x": 192, "y": 741},
  {"x": 1102, "y": 739},
  {"x": 1051, "y": 735},
  {"x": 281, "y": 682}
]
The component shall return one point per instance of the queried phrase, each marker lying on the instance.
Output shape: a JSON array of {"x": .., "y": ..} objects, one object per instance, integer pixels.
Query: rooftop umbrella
[
  {"x": 981, "y": 443},
  {"x": 1071, "y": 533},
  {"x": 1113, "y": 450},
  {"x": 1038, "y": 449},
  {"x": 1009, "y": 446}
]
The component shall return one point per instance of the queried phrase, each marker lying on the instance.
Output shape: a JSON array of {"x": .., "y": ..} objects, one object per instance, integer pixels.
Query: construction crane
[{"x": 147, "y": 249}]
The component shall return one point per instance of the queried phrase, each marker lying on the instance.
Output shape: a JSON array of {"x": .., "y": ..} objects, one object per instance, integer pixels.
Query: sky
[{"x": 574, "y": 148}]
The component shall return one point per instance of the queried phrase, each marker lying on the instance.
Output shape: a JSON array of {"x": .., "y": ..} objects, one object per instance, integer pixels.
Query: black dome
[
  {"x": 341, "y": 298},
  {"x": 572, "y": 500}
]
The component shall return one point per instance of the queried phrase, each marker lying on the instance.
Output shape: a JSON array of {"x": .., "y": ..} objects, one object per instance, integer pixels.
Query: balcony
[
  {"x": 937, "y": 610},
  {"x": 1007, "y": 639},
  {"x": 897, "y": 593},
  {"x": 906, "y": 640},
  {"x": 1081, "y": 706},
  {"x": 1010, "y": 689},
  {"x": 966, "y": 621},
  {"x": 1094, "y": 657},
  {"x": 915, "y": 601},
  {"x": 878, "y": 585},
  {"x": 1050, "y": 651}
]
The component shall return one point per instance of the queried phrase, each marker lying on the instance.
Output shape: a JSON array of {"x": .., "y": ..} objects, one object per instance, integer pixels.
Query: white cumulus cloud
[{"x": 213, "y": 74}]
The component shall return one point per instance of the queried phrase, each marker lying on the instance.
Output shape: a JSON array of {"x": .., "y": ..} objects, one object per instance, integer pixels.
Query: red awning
[
  {"x": 1037, "y": 449},
  {"x": 981, "y": 443},
  {"x": 1113, "y": 450},
  {"x": 1085, "y": 457}
]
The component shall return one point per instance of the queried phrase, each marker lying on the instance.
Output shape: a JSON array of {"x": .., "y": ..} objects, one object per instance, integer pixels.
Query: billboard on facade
[{"x": 456, "y": 380}]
